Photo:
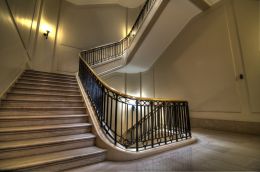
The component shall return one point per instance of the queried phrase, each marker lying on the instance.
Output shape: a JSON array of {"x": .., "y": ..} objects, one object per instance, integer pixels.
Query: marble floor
[{"x": 214, "y": 151}]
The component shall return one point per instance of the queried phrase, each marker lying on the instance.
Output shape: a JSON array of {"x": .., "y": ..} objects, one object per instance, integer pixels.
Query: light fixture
[
  {"x": 133, "y": 33},
  {"x": 46, "y": 34}
]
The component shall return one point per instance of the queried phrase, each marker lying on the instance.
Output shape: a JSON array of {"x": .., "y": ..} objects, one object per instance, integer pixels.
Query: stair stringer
[{"x": 115, "y": 153}]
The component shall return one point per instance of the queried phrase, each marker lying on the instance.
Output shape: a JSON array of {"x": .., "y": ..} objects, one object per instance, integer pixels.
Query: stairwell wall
[
  {"x": 203, "y": 64},
  {"x": 87, "y": 26},
  {"x": 13, "y": 57}
]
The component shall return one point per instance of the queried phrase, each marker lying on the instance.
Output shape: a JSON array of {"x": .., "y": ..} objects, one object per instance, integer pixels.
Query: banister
[
  {"x": 123, "y": 94},
  {"x": 96, "y": 55},
  {"x": 149, "y": 125},
  {"x": 150, "y": 121}
]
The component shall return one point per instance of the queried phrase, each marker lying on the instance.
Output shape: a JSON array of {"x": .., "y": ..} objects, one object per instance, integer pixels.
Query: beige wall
[
  {"x": 139, "y": 84},
  {"x": 203, "y": 63},
  {"x": 43, "y": 57},
  {"x": 248, "y": 23},
  {"x": 85, "y": 27},
  {"x": 13, "y": 57}
]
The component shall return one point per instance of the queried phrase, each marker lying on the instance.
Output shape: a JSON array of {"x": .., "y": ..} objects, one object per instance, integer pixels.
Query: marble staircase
[{"x": 44, "y": 125}]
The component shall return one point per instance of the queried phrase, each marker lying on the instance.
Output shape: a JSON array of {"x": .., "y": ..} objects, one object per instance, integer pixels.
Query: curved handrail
[
  {"x": 113, "y": 50},
  {"x": 123, "y": 94},
  {"x": 117, "y": 112}
]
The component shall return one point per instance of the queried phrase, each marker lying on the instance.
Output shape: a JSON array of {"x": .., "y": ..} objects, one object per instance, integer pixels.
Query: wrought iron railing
[
  {"x": 113, "y": 50},
  {"x": 148, "y": 122}
]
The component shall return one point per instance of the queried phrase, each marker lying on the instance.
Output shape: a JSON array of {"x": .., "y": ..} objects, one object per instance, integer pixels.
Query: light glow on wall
[
  {"x": 26, "y": 22},
  {"x": 45, "y": 26}
]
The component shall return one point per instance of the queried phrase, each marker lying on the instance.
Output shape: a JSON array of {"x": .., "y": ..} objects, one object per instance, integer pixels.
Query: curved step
[
  {"x": 55, "y": 161},
  {"x": 33, "y": 132},
  {"x": 43, "y": 81},
  {"x": 45, "y": 109},
  {"x": 44, "y": 86},
  {"x": 14, "y": 149},
  {"x": 34, "y": 72},
  {"x": 41, "y": 103},
  {"x": 51, "y": 78},
  {"x": 47, "y": 91},
  {"x": 33, "y": 120},
  {"x": 42, "y": 96}
]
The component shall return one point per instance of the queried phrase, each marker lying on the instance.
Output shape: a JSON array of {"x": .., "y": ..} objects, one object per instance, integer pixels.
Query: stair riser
[
  {"x": 48, "y": 82},
  {"x": 47, "y": 74},
  {"x": 40, "y": 110},
  {"x": 24, "y": 90},
  {"x": 39, "y": 122},
  {"x": 42, "y": 97},
  {"x": 41, "y": 104},
  {"x": 72, "y": 163},
  {"x": 67, "y": 112},
  {"x": 43, "y": 133},
  {"x": 55, "y": 147},
  {"x": 28, "y": 76},
  {"x": 46, "y": 87}
]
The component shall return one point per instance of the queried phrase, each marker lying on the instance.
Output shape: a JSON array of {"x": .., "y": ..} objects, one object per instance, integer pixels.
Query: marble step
[
  {"x": 44, "y": 81},
  {"x": 46, "y": 103},
  {"x": 56, "y": 161},
  {"x": 44, "y": 91},
  {"x": 41, "y": 112},
  {"x": 74, "y": 110},
  {"x": 42, "y": 96},
  {"x": 34, "y": 72},
  {"x": 33, "y": 132},
  {"x": 51, "y": 78},
  {"x": 14, "y": 149},
  {"x": 36, "y": 120},
  {"x": 30, "y": 85}
]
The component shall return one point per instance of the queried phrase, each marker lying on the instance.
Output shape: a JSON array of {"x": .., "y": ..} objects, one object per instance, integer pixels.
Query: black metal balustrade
[
  {"x": 131, "y": 122},
  {"x": 111, "y": 51}
]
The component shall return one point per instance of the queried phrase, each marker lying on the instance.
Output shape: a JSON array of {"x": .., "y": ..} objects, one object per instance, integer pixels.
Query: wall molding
[{"x": 243, "y": 127}]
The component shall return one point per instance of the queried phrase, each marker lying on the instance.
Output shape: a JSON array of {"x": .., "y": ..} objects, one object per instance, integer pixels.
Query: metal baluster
[
  {"x": 165, "y": 137},
  {"x": 116, "y": 120},
  {"x": 152, "y": 123},
  {"x": 188, "y": 117},
  {"x": 136, "y": 122}
]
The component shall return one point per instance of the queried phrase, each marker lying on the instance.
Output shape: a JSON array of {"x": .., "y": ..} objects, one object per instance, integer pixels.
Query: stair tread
[
  {"x": 51, "y": 81},
  {"x": 46, "y": 84},
  {"x": 48, "y": 76},
  {"x": 42, "y": 107},
  {"x": 48, "y": 158},
  {"x": 47, "y": 73},
  {"x": 48, "y": 94},
  {"x": 43, "y": 127},
  {"x": 16, "y": 117},
  {"x": 44, "y": 89},
  {"x": 44, "y": 141},
  {"x": 31, "y": 100}
]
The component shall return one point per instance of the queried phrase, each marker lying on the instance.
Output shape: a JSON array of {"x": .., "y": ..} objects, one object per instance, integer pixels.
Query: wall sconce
[
  {"x": 46, "y": 34},
  {"x": 133, "y": 33}
]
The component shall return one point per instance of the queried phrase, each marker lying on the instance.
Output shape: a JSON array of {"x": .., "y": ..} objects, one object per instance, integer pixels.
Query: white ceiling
[{"x": 124, "y": 3}]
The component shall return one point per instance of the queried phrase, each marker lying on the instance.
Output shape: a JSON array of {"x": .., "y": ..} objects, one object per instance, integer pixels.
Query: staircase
[{"x": 44, "y": 125}]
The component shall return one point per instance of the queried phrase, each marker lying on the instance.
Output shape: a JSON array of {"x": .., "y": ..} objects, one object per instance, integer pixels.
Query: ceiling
[
  {"x": 124, "y": 3},
  {"x": 211, "y": 2}
]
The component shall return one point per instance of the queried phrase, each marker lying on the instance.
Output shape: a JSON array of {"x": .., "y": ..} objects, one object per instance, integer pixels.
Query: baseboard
[
  {"x": 3, "y": 94},
  {"x": 227, "y": 125}
]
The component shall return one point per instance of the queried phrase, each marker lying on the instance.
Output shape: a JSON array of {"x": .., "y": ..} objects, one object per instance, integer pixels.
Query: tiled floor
[{"x": 215, "y": 150}]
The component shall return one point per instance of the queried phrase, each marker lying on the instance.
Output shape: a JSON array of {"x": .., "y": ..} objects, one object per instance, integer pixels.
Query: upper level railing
[
  {"x": 147, "y": 122},
  {"x": 113, "y": 50}
]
